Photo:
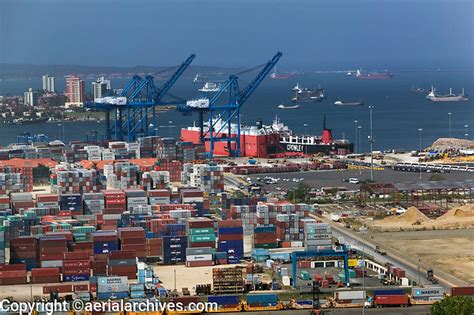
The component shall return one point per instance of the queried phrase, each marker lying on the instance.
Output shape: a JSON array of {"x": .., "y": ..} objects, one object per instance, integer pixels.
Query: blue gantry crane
[
  {"x": 136, "y": 103},
  {"x": 221, "y": 117}
]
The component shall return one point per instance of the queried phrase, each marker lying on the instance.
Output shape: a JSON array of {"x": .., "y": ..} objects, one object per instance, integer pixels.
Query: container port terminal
[{"x": 254, "y": 219}]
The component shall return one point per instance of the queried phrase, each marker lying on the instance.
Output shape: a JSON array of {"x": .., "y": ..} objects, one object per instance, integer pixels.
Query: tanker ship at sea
[
  {"x": 373, "y": 75},
  {"x": 264, "y": 141}
]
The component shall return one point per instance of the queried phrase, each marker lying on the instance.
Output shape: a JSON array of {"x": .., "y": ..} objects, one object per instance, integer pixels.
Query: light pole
[
  {"x": 371, "y": 140},
  {"x": 306, "y": 146},
  {"x": 170, "y": 122},
  {"x": 466, "y": 134},
  {"x": 362, "y": 230},
  {"x": 449, "y": 122},
  {"x": 355, "y": 135},
  {"x": 358, "y": 140},
  {"x": 419, "y": 134}
]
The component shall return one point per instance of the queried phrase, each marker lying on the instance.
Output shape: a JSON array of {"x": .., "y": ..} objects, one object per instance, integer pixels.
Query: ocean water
[{"x": 397, "y": 116}]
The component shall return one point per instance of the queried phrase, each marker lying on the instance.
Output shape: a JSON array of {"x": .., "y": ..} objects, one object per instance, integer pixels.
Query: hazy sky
[{"x": 311, "y": 33}]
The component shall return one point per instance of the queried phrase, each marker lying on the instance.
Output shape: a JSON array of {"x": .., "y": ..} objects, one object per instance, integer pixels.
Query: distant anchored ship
[
  {"x": 373, "y": 75},
  {"x": 451, "y": 97}
]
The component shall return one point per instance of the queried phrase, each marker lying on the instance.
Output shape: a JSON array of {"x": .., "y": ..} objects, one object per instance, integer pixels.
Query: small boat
[
  {"x": 282, "y": 106},
  {"x": 341, "y": 103}
]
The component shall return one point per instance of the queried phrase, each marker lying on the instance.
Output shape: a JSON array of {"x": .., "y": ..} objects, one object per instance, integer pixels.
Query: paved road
[
  {"x": 417, "y": 310},
  {"x": 362, "y": 244}
]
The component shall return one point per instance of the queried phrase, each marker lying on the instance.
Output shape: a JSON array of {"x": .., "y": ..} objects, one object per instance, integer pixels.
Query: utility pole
[
  {"x": 371, "y": 139},
  {"x": 466, "y": 134},
  {"x": 355, "y": 135}
]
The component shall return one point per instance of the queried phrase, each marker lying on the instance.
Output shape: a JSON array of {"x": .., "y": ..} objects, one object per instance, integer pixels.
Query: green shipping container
[
  {"x": 203, "y": 238},
  {"x": 266, "y": 245},
  {"x": 305, "y": 275},
  {"x": 201, "y": 231}
]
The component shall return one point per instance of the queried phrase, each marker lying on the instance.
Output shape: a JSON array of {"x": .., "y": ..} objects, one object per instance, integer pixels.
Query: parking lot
[{"x": 334, "y": 178}]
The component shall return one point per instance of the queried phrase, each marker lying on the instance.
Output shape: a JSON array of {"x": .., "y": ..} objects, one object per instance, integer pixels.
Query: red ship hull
[{"x": 260, "y": 146}]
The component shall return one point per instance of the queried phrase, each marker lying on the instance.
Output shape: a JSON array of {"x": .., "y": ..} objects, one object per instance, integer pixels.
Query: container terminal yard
[
  {"x": 245, "y": 218},
  {"x": 163, "y": 219}
]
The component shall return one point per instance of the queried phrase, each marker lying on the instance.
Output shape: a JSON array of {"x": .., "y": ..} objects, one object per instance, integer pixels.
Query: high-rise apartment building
[
  {"x": 49, "y": 83},
  {"x": 74, "y": 91},
  {"x": 30, "y": 98},
  {"x": 100, "y": 87}
]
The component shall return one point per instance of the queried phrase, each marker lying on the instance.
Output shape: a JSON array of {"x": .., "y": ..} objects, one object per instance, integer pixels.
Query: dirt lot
[{"x": 449, "y": 250}]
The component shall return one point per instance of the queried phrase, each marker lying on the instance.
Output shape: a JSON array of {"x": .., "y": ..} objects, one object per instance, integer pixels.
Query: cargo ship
[
  {"x": 373, "y": 75},
  {"x": 451, "y": 97},
  {"x": 342, "y": 103},
  {"x": 276, "y": 76},
  {"x": 263, "y": 141},
  {"x": 308, "y": 95}
]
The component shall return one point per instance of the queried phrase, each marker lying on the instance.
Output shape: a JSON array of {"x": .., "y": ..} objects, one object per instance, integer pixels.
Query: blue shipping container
[
  {"x": 265, "y": 229},
  {"x": 262, "y": 298},
  {"x": 224, "y": 300},
  {"x": 67, "y": 278},
  {"x": 105, "y": 247},
  {"x": 231, "y": 230},
  {"x": 112, "y": 295},
  {"x": 389, "y": 292},
  {"x": 137, "y": 294}
]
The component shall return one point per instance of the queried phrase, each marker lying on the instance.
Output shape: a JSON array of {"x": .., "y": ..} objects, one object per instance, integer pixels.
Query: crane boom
[{"x": 245, "y": 93}]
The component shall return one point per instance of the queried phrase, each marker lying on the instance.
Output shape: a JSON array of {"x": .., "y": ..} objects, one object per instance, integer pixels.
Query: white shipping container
[
  {"x": 207, "y": 257},
  {"x": 349, "y": 295}
]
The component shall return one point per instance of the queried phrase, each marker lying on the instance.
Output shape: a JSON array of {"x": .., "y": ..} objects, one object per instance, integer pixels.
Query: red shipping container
[
  {"x": 105, "y": 237},
  {"x": 391, "y": 300},
  {"x": 200, "y": 223},
  {"x": 54, "y": 256},
  {"x": 65, "y": 288},
  {"x": 47, "y": 198},
  {"x": 81, "y": 246},
  {"x": 40, "y": 272},
  {"x": 122, "y": 269},
  {"x": 131, "y": 232},
  {"x": 203, "y": 244},
  {"x": 231, "y": 237},
  {"x": 19, "y": 254},
  {"x": 199, "y": 263},
  {"x": 80, "y": 288},
  {"x": 457, "y": 291},
  {"x": 76, "y": 256},
  {"x": 123, "y": 254},
  {"x": 10, "y": 281},
  {"x": 133, "y": 241},
  {"x": 229, "y": 223},
  {"x": 13, "y": 267},
  {"x": 159, "y": 193},
  {"x": 13, "y": 274},
  {"x": 80, "y": 264},
  {"x": 23, "y": 240},
  {"x": 45, "y": 279}
]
